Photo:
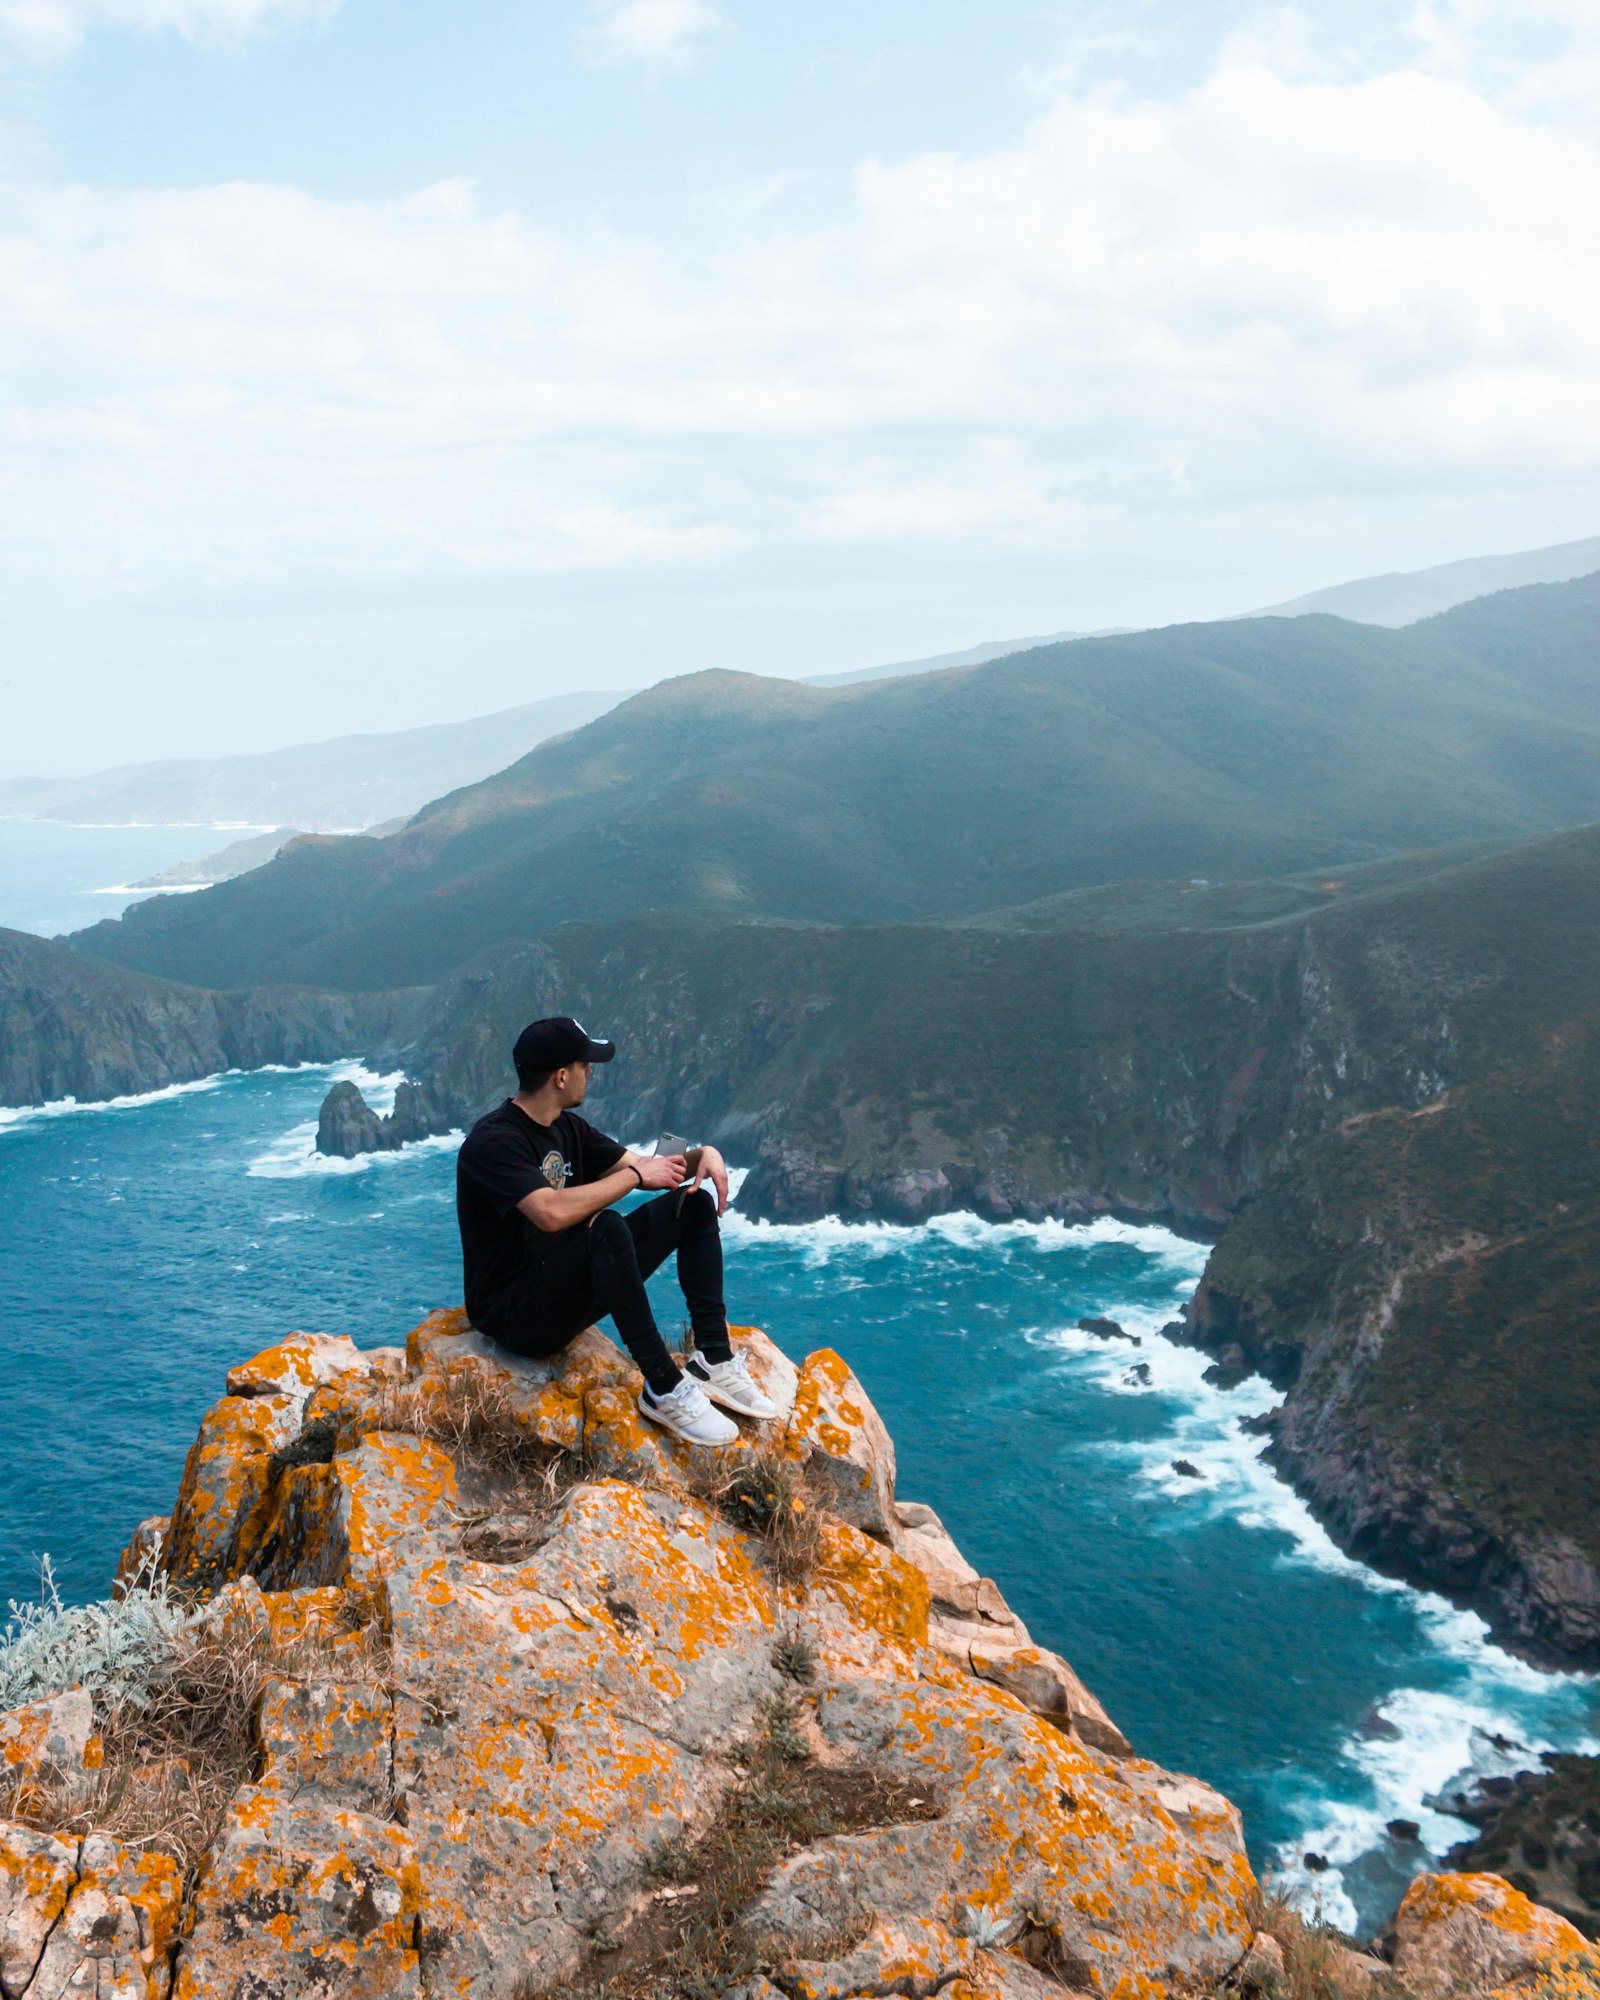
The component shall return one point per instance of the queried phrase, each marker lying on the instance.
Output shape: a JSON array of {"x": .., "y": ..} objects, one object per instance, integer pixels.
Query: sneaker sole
[
  {"x": 738, "y": 1409},
  {"x": 724, "y": 1402},
  {"x": 703, "y": 1444}
]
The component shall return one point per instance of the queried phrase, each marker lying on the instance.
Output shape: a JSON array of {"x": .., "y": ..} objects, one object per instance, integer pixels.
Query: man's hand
[
  {"x": 711, "y": 1166},
  {"x": 668, "y": 1172}
]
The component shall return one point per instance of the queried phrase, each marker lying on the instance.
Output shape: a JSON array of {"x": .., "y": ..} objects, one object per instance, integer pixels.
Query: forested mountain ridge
[{"x": 1220, "y": 751}]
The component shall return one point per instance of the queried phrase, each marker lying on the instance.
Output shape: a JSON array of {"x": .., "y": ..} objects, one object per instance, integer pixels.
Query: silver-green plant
[
  {"x": 984, "y": 1931},
  {"x": 119, "y": 1650}
]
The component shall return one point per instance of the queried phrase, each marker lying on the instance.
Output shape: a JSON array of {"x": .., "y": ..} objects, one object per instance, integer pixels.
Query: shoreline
[{"x": 1203, "y": 1426}]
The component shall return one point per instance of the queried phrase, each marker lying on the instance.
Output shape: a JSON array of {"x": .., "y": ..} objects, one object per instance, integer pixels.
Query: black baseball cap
[{"x": 547, "y": 1045}]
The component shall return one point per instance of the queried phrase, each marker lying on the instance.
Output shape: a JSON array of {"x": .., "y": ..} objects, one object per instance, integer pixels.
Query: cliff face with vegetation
[
  {"x": 540, "y": 1700},
  {"x": 72, "y": 1026}
]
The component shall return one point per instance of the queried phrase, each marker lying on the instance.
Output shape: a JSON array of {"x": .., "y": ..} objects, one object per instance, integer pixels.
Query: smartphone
[{"x": 668, "y": 1144}]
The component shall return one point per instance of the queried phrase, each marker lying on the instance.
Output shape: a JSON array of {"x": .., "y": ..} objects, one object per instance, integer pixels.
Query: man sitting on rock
[{"x": 546, "y": 1251}]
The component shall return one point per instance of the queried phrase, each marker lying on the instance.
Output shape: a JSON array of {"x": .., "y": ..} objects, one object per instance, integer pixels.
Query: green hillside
[
  {"x": 1386, "y": 1084},
  {"x": 1223, "y": 751}
]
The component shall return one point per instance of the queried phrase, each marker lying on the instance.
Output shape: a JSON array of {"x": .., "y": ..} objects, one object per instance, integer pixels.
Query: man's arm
[{"x": 555, "y": 1209}]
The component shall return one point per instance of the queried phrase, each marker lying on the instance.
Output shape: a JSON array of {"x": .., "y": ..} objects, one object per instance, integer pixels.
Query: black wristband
[{"x": 632, "y": 1169}]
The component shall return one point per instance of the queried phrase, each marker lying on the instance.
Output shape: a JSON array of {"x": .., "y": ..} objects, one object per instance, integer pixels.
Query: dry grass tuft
[
  {"x": 174, "y": 1759},
  {"x": 469, "y": 1411},
  {"x": 1319, "y": 1962},
  {"x": 772, "y": 1497},
  {"x": 690, "y": 1943}
]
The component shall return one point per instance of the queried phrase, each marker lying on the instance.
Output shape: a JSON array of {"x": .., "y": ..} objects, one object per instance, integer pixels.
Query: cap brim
[{"x": 601, "y": 1051}]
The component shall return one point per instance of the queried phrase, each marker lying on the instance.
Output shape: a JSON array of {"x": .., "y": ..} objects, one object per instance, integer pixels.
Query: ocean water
[
  {"x": 55, "y": 877},
  {"x": 152, "y": 1242}
]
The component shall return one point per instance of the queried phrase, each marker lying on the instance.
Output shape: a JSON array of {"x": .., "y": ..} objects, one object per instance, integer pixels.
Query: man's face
[{"x": 577, "y": 1084}]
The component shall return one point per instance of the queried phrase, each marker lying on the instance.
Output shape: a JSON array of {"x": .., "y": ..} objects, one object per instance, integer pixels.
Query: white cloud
[
  {"x": 1284, "y": 291},
  {"x": 56, "y": 27},
  {"x": 662, "y": 34}
]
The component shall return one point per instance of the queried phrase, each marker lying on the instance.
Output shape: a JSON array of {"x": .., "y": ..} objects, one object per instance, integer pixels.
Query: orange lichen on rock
[
  {"x": 391, "y": 1488},
  {"x": 225, "y": 1479},
  {"x": 1467, "y": 1934},
  {"x": 837, "y": 1431},
  {"x": 49, "y": 1749},
  {"x": 298, "y": 1365},
  {"x": 878, "y": 1591},
  {"x": 568, "y": 1673}
]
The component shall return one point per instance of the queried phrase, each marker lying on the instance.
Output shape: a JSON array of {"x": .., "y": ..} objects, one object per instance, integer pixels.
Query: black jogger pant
[{"x": 600, "y": 1267}]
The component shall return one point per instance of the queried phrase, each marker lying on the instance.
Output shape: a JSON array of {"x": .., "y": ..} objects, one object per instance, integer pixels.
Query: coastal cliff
[
  {"x": 446, "y": 1674},
  {"x": 541, "y": 1694},
  {"x": 72, "y": 1026}
]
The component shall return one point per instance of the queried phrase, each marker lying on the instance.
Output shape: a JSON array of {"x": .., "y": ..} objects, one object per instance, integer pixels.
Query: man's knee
[
  {"x": 609, "y": 1234},
  {"x": 700, "y": 1209}
]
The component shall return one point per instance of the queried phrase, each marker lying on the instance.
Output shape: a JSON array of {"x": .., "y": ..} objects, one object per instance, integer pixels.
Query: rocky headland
[
  {"x": 446, "y": 1674},
  {"x": 72, "y": 1026}
]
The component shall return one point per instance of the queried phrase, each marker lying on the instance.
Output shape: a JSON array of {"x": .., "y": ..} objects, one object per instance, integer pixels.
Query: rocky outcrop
[
  {"x": 1541, "y": 1830},
  {"x": 347, "y": 1126},
  {"x": 1473, "y": 1935},
  {"x": 598, "y": 1660}
]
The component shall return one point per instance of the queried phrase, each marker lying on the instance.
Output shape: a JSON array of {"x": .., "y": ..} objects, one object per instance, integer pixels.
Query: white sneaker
[
  {"x": 730, "y": 1383},
  {"x": 686, "y": 1413}
]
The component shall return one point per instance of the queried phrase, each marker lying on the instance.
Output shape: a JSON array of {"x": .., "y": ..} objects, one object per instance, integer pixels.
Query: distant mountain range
[
  {"x": 1219, "y": 751},
  {"x": 973, "y": 656},
  {"x": 1403, "y": 596},
  {"x": 356, "y": 783},
  {"x": 339, "y": 786}
]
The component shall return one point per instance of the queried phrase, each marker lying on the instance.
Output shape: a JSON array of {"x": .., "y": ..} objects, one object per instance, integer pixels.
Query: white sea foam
[
  {"x": 379, "y": 1091},
  {"x": 1441, "y": 1733},
  {"x": 832, "y": 1237},
  {"x": 14, "y": 1116},
  {"x": 143, "y": 889}
]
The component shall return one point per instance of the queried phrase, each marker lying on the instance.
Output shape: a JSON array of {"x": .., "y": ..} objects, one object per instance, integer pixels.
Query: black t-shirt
[{"x": 505, "y": 1157}]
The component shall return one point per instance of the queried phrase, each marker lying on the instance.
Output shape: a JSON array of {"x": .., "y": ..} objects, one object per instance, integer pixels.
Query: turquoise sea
[
  {"x": 57, "y": 877},
  {"x": 151, "y": 1243}
]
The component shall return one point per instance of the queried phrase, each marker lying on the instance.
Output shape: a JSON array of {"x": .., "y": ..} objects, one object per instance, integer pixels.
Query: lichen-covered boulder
[
  {"x": 112, "y": 1939},
  {"x": 1468, "y": 1934},
  {"x": 314, "y": 1887},
  {"x": 842, "y": 1438},
  {"x": 972, "y": 1624},
  {"x": 49, "y": 1750},
  {"x": 1138, "y": 1876},
  {"x": 916, "y": 1957},
  {"x": 233, "y": 1465},
  {"x": 37, "y": 1872},
  {"x": 298, "y": 1365},
  {"x": 524, "y": 1656}
]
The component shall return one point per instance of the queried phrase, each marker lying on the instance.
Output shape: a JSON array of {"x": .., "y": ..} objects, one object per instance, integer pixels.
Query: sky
[{"x": 366, "y": 363}]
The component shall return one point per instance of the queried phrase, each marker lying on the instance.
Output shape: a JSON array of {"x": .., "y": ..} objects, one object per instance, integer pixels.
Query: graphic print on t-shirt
[{"x": 556, "y": 1168}]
